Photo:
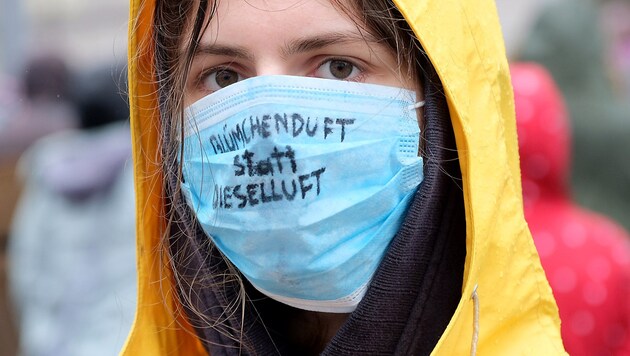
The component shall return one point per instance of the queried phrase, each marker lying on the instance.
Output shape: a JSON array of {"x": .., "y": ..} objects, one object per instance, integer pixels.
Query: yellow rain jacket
[{"x": 506, "y": 301}]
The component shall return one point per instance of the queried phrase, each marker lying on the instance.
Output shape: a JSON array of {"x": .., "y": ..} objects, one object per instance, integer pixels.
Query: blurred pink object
[{"x": 586, "y": 256}]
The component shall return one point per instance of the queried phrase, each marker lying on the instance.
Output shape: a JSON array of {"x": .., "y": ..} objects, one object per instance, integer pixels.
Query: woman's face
[{"x": 312, "y": 38}]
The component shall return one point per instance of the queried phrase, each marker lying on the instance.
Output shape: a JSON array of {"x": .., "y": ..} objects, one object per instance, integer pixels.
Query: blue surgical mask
[{"x": 303, "y": 182}]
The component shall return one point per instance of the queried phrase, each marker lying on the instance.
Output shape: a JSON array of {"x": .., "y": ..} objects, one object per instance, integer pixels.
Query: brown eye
[
  {"x": 226, "y": 77},
  {"x": 219, "y": 79},
  {"x": 341, "y": 69},
  {"x": 338, "y": 69}
]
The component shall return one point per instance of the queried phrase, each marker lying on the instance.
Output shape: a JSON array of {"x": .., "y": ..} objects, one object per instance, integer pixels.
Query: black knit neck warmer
[{"x": 411, "y": 298}]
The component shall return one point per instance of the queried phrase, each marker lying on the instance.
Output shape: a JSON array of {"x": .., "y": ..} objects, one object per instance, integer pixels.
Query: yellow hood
[{"x": 513, "y": 311}]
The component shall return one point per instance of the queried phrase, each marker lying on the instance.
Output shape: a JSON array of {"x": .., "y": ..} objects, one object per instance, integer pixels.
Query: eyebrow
[
  {"x": 307, "y": 44},
  {"x": 300, "y": 45},
  {"x": 221, "y": 50}
]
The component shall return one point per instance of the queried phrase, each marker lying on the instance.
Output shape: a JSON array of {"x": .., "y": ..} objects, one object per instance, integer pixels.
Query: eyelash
[
  {"x": 358, "y": 78},
  {"x": 204, "y": 74}
]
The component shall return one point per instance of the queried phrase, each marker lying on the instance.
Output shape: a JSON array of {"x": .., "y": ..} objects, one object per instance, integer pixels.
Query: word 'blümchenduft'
[{"x": 236, "y": 137}]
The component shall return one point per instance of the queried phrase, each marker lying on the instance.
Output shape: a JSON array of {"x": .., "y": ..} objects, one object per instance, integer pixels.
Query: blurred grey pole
[
  {"x": 517, "y": 18},
  {"x": 13, "y": 33}
]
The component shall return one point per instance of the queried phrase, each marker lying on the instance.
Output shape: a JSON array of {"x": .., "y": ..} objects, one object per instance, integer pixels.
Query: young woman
[{"x": 336, "y": 177}]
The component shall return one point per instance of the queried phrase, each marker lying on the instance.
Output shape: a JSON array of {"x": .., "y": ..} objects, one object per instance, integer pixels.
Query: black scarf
[{"x": 411, "y": 298}]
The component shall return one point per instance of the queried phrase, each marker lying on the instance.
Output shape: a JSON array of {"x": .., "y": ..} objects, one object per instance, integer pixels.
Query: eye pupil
[
  {"x": 340, "y": 69},
  {"x": 226, "y": 77}
]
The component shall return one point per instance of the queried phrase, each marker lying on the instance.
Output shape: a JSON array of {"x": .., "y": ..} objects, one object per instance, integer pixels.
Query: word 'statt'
[{"x": 268, "y": 188}]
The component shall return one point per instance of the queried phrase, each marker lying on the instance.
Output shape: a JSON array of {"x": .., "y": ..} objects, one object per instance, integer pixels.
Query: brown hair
[{"x": 180, "y": 25}]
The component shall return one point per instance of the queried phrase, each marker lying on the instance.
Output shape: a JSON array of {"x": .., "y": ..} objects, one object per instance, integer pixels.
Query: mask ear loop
[
  {"x": 417, "y": 105},
  {"x": 475, "y": 338}
]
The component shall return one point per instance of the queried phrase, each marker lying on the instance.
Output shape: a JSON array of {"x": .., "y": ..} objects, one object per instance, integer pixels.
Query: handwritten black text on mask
[
  {"x": 236, "y": 137},
  {"x": 280, "y": 161},
  {"x": 271, "y": 175}
]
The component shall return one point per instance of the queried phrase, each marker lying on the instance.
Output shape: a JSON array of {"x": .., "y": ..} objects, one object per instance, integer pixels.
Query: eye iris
[
  {"x": 226, "y": 77},
  {"x": 340, "y": 69}
]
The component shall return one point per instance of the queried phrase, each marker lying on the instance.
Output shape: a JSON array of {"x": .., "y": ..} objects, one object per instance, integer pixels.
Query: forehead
[{"x": 266, "y": 20}]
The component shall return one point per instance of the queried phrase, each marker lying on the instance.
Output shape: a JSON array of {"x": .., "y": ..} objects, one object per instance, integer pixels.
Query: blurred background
[
  {"x": 570, "y": 69},
  {"x": 585, "y": 45},
  {"x": 67, "y": 257},
  {"x": 67, "y": 278}
]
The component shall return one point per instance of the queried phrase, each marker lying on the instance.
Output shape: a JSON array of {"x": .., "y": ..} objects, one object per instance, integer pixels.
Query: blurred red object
[{"x": 586, "y": 256}]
